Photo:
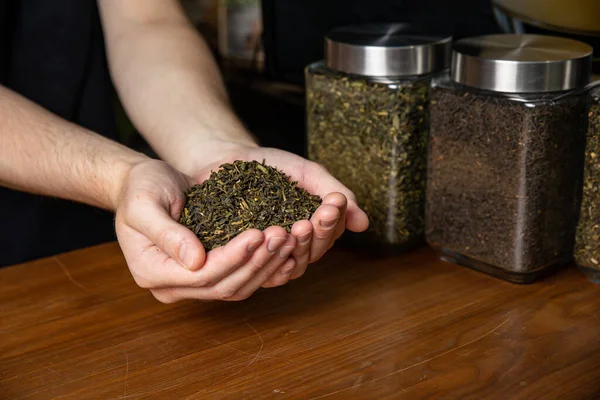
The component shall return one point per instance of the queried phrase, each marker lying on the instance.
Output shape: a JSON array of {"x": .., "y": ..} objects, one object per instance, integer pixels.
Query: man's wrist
[{"x": 121, "y": 167}]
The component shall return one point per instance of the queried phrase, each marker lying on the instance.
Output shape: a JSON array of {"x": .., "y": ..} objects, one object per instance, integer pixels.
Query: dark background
[{"x": 294, "y": 29}]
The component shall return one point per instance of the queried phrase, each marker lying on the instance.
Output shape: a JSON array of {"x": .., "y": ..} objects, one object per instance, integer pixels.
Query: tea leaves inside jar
[
  {"x": 244, "y": 195},
  {"x": 372, "y": 137},
  {"x": 504, "y": 178},
  {"x": 587, "y": 251}
]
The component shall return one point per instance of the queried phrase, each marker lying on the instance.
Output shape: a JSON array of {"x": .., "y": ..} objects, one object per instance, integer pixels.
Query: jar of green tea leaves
[
  {"x": 506, "y": 151},
  {"x": 587, "y": 243},
  {"x": 368, "y": 122}
]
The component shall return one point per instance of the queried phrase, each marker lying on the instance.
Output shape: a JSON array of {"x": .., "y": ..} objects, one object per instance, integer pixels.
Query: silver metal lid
[
  {"x": 521, "y": 63},
  {"x": 385, "y": 50}
]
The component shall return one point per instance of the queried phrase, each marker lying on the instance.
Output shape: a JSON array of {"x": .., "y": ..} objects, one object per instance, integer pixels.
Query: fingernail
[
  {"x": 304, "y": 238},
  {"x": 329, "y": 224},
  {"x": 288, "y": 270},
  {"x": 186, "y": 255},
  {"x": 275, "y": 243},
  {"x": 254, "y": 245},
  {"x": 285, "y": 252}
]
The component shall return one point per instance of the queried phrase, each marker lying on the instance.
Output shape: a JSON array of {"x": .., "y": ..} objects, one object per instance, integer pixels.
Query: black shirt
[{"x": 52, "y": 52}]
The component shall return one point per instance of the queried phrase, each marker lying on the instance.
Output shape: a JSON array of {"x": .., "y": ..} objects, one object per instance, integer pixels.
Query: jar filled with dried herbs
[
  {"x": 368, "y": 123},
  {"x": 506, "y": 151},
  {"x": 587, "y": 243}
]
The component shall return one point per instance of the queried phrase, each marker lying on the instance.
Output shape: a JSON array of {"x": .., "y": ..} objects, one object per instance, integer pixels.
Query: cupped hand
[
  {"x": 169, "y": 260},
  {"x": 338, "y": 212}
]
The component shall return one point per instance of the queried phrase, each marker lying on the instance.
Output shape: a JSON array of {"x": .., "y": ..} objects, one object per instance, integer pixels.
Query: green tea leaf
[{"x": 241, "y": 196}]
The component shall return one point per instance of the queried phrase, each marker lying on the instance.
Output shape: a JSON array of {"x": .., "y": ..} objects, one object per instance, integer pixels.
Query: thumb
[
  {"x": 356, "y": 219},
  {"x": 174, "y": 239}
]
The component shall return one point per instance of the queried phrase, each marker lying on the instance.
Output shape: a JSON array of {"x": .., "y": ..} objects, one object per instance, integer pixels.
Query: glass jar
[
  {"x": 506, "y": 149},
  {"x": 368, "y": 122},
  {"x": 587, "y": 244}
]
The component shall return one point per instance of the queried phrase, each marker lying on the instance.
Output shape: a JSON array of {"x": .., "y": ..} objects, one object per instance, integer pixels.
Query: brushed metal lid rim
[
  {"x": 483, "y": 64},
  {"x": 389, "y": 60}
]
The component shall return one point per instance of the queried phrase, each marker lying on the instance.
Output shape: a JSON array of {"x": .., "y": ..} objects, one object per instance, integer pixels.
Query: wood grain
[{"x": 411, "y": 327}]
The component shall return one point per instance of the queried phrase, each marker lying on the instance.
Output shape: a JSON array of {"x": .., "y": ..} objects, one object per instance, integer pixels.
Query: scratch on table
[
  {"x": 68, "y": 274},
  {"x": 262, "y": 345},
  {"x": 337, "y": 339},
  {"x": 414, "y": 365},
  {"x": 246, "y": 353},
  {"x": 50, "y": 369},
  {"x": 162, "y": 348},
  {"x": 356, "y": 331},
  {"x": 358, "y": 381},
  {"x": 218, "y": 343}
]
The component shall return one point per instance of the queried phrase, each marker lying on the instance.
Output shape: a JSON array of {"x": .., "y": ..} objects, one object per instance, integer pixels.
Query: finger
[
  {"x": 356, "y": 219},
  {"x": 319, "y": 181},
  {"x": 173, "y": 295},
  {"x": 273, "y": 272},
  {"x": 283, "y": 275},
  {"x": 325, "y": 222},
  {"x": 277, "y": 260},
  {"x": 151, "y": 220},
  {"x": 149, "y": 266},
  {"x": 228, "y": 288},
  {"x": 338, "y": 200},
  {"x": 303, "y": 232},
  {"x": 155, "y": 269},
  {"x": 166, "y": 295}
]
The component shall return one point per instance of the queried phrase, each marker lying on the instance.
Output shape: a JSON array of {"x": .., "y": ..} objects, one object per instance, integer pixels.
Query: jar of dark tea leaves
[
  {"x": 368, "y": 122},
  {"x": 587, "y": 243},
  {"x": 506, "y": 154}
]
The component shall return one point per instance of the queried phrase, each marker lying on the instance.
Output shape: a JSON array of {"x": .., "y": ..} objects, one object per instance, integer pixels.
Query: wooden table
[{"x": 411, "y": 327}]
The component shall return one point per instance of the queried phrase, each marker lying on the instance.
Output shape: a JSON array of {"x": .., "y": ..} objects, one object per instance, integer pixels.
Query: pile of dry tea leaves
[
  {"x": 587, "y": 250},
  {"x": 372, "y": 136},
  {"x": 244, "y": 195},
  {"x": 504, "y": 178}
]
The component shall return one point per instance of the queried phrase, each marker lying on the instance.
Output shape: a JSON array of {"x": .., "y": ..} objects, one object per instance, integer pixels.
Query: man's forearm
[
  {"x": 44, "y": 154},
  {"x": 168, "y": 81}
]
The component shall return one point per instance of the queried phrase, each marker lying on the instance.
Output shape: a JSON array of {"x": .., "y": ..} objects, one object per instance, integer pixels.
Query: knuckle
[
  {"x": 298, "y": 273},
  {"x": 321, "y": 168},
  {"x": 279, "y": 281},
  {"x": 203, "y": 282},
  {"x": 255, "y": 266},
  {"x": 268, "y": 284},
  {"x": 144, "y": 283},
  {"x": 240, "y": 297},
  {"x": 315, "y": 257},
  {"x": 322, "y": 234},
  {"x": 225, "y": 294},
  {"x": 167, "y": 237},
  {"x": 164, "y": 296}
]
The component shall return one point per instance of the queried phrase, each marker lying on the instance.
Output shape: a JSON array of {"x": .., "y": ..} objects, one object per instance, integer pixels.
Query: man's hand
[
  {"x": 174, "y": 94},
  {"x": 338, "y": 212},
  {"x": 169, "y": 260}
]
